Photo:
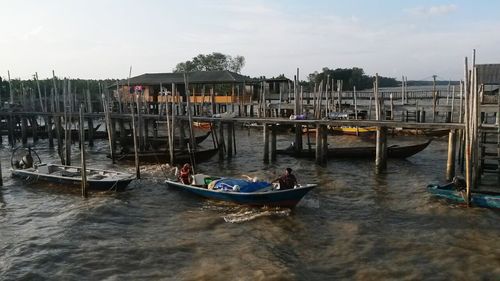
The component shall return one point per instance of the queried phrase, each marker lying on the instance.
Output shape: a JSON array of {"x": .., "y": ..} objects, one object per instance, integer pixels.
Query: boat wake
[{"x": 248, "y": 215}]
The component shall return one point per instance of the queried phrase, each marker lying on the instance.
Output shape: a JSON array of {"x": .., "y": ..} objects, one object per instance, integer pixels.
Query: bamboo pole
[
  {"x": 67, "y": 125},
  {"x": 172, "y": 129},
  {"x": 319, "y": 146},
  {"x": 134, "y": 136},
  {"x": 450, "y": 163},
  {"x": 273, "y": 142},
  {"x": 324, "y": 142},
  {"x": 108, "y": 126},
  {"x": 11, "y": 93},
  {"x": 57, "y": 118},
  {"x": 190, "y": 115},
  {"x": 266, "y": 142},
  {"x": 83, "y": 168}
]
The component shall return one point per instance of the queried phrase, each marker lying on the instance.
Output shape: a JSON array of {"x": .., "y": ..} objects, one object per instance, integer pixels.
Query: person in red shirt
[{"x": 185, "y": 174}]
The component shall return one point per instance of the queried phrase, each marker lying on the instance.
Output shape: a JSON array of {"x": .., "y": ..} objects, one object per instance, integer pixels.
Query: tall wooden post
[
  {"x": 230, "y": 129},
  {"x": 450, "y": 164},
  {"x": 221, "y": 141},
  {"x": 273, "y": 142},
  {"x": 381, "y": 149},
  {"x": 134, "y": 136},
  {"x": 83, "y": 168},
  {"x": 319, "y": 146},
  {"x": 90, "y": 122},
  {"x": 266, "y": 143},
  {"x": 324, "y": 142}
]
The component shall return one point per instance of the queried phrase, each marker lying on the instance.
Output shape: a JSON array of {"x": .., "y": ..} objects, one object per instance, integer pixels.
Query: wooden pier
[{"x": 473, "y": 140}]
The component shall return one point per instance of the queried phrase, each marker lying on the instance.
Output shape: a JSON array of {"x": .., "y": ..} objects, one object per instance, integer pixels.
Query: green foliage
[
  {"x": 211, "y": 62},
  {"x": 351, "y": 77}
]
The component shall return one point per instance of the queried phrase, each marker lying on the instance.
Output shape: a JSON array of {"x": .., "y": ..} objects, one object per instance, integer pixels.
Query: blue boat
[
  {"x": 244, "y": 192},
  {"x": 450, "y": 192}
]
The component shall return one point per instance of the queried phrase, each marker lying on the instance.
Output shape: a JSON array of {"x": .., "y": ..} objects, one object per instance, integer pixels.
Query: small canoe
[
  {"x": 393, "y": 151},
  {"x": 354, "y": 130},
  {"x": 450, "y": 192},
  {"x": 97, "y": 179},
  {"x": 262, "y": 197}
]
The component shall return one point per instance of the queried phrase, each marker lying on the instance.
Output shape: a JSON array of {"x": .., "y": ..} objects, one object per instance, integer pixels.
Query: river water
[{"x": 355, "y": 225}]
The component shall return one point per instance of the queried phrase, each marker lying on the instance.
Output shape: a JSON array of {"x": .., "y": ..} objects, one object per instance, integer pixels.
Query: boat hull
[
  {"x": 360, "y": 152},
  {"x": 98, "y": 185},
  {"x": 281, "y": 198},
  {"x": 449, "y": 192}
]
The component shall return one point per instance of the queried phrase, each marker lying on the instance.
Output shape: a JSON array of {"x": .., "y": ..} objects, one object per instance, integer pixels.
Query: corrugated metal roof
[
  {"x": 197, "y": 77},
  {"x": 488, "y": 74}
]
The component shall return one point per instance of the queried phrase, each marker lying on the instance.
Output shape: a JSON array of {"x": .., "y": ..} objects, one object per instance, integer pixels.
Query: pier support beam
[
  {"x": 450, "y": 163},
  {"x": 324, "y": 143},
  {"x": 221, "y": 141},
  {"x": 24, "y": 130},
  {"x": 273, "y": 142},
  {"x": 230, "y": 128},
  {"x": 266, "y": 143},
  {"x": 319, "y": 146},
  {"x": 298, "y": 139},
  {"x": 381, "y": 150},
  {"x": 1, "y": 178}
]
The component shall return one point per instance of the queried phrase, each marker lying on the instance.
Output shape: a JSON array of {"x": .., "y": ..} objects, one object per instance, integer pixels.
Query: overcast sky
[{"x": 102, "y": 39}]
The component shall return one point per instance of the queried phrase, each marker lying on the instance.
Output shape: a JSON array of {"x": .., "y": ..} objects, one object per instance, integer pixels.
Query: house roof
[
  {"x": 196, "y": 77},
  {"x": 488, "y": 74}
]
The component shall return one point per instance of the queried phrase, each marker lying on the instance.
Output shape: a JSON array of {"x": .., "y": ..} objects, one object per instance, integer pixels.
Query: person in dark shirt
[{"x": 287, "y": 181}]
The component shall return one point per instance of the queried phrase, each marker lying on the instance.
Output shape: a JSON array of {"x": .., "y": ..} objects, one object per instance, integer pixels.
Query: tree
[
  {"x": 351, "y": 77},
  {"x": 211, "y": 62}
]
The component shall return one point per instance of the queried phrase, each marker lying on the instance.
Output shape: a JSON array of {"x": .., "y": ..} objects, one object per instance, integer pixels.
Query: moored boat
[
  {"x": 393, "y": 151},
  {"x": 163, "y": 156},
  {"x": 30, "y": 168},
  {"x": 243, "y": 191},
  {"x": 451, "y": 192}
]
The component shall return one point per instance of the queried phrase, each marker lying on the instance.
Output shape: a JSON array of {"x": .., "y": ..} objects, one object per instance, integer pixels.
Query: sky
[{"x": 98, "y": 39}]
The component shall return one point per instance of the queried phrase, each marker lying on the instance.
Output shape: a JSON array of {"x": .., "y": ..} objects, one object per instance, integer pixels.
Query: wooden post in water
[
  {"x": 109, "y": 128},
  {"x": 324, "y": 143},
  {"x": 230, "y": 129},
  {"x": 319, "y": 146},
  {"x": 273, "y": 142},
  {"x": 266, "y": 143},
  {"x": 221, "y": 141},
  {"x": 450, "y": 163},
  {"x": 134, "y": 136},
  {"x": 1, "y": 177},
  {"x": 381, "y": 142},
  {"x": 83, "y": 168},
  {"x": 90, "y": 122}
]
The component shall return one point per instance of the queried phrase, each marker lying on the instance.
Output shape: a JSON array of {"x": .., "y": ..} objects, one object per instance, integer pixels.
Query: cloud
[
  {"x": 32, "y": 33},
  {"x": 438, "y": 10}
]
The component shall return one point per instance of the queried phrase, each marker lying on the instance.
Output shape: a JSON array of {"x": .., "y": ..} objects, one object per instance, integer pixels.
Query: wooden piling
[
  {"x": 83, "y": 169},
  {"x": 381, "y": 149},
  {"x": 230, "y": 129},
  {"x": 90, "y": 121},
  {"x": 450, "y": 163},
  {"x": 273, "y": 142},
  {"x": 266, "y": 142},
  {"x": 221, "y": 141},
  {"x": 324, "y": 143},
  {"x": 134, "y": 136},
  {"x": 319, "y": 146}
]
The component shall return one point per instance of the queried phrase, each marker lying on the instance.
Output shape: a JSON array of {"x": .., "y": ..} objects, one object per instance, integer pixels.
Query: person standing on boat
[
  {"x": 185, "y": 174},
  {"x": 287, "y": 180}
]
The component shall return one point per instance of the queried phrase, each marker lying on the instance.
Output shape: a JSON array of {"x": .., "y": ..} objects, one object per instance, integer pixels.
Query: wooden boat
[
  {"x": 162, "y": 142},
  {"x": 163, "y": 156},
  {"x": 393, "y": 151},
  {"x": 202, "y": 125},
  {"x": 97, "y": 179},
  {"x": 419, "y": 132},
  {"x": 267, "y": 196},
  {"x": 353, "y": 130},
  {"x": 451, "y": 192}
]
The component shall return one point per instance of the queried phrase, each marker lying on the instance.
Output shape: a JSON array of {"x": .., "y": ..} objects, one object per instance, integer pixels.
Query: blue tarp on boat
[{"x": 242, "y": 185}]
